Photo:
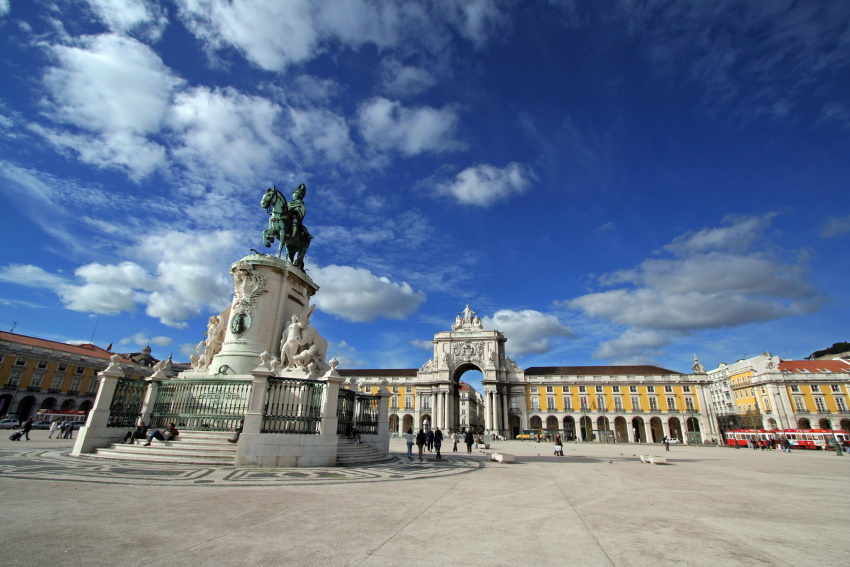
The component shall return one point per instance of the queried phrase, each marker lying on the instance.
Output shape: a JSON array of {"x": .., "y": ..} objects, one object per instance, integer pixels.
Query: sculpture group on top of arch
[{"x": 467, "y": 320}]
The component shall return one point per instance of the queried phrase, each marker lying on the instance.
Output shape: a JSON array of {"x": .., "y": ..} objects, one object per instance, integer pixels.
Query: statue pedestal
[{"x": 267, "y": 292}]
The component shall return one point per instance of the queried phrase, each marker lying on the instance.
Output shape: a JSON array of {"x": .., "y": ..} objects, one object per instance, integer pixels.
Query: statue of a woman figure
[
  {"x": 215, "y": 339},
  {"x": 290, "y": 342}
]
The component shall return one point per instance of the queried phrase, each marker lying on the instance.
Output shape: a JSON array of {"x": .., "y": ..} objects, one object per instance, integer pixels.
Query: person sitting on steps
[
  {"x": 167, "y": 435},
  {"x": 238, "y": 430},
  {"x": 140, "y": 433}
]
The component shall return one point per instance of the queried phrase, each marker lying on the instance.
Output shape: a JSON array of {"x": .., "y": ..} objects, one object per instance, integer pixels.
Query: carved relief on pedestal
[
  {"x": 248, "y": 284},
  {"x": 301, "y": 344}
]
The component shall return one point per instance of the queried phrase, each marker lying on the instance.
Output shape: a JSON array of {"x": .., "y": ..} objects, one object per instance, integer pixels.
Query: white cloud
[
  {"x": 389, "y": 126},
  {"x": 530, "y": 332},
  {"x": 226, "y": 132},
  {"x": 482, "y": 185},
  {"x": 143, "y": 339},
  {"x": 319, "y": 134},
  {"x": 835, "y": 226},
  {"x": 405, "y": 80},
  {"x": 632, "y": 345},
  {"x": 716, "y": 279},
  {"x": 116, "y": 91},
  {"x": 31, "y": 276},
  {"x": 132, "y": 16},
  {"x": 5, "y": 6},
  {"x": 478, "y": 20},
  {"x": 355, "y": 294}
]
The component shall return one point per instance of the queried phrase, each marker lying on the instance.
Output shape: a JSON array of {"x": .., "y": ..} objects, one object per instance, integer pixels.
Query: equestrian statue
[{"x": 286, "y": 224}]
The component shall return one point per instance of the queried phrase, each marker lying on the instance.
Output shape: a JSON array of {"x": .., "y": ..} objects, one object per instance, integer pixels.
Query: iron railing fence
[
  {"x": 293, "y": 406},
  {"x": 346, "y": 403},
  {"x": 367, "y": 413},
  {"x": 127, "y": 401},
  {"x": 201, "y": 405}
]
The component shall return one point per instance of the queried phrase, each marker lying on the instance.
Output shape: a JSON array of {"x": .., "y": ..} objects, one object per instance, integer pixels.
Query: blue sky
[{"x": 605, "y": 182}]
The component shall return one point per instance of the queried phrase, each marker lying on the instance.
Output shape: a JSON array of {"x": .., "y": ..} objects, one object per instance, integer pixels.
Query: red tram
[{"x": 799, "y": 438}]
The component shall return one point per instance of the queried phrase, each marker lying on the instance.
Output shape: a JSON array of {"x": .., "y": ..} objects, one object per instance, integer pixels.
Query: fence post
[
  {"x": 330, "y": 421},
  {"x": 256, "y": 407},
  {"x": 150, "y": 400},
  {"x": 95, "y": 433},
  {"x": 384, "y": 419}
]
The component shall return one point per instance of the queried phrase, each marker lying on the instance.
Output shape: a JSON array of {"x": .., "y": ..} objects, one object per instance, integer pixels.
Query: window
[
  {"x": 550, "y": 403},
  {"x": 80, "y": 370},
  {"x": 820, "y": 405},
  {"x": 633, "y": 389},
  {"x": 42, "y": 364},
  {"x": 75, "y": 383},
  {"x": 408, "y": 402},
  {"x": 668, "y": 389},
  {"x": 841, "y": 403},
  {"x": 795, "y": 388},
  {"x": 93, "y": 382},
  {"x": 426, "y": 403},
  {"x": 395, "y": 389},
  {"x": 36, "y": 380},
  {"x": 581, "y": 390},
  {"x": 799, "y": 404},
  {"x": 395, "y": 402},
  {"x": 671, "y": 403},
  {"x": 653, "y": 404},
  {"x": 599, "y": 389},
  {"x": 514, "y": 404},
  {"x": 568, "y": 403},
  {"x": 21, "y": 361},
  {"x": 835, "y": 388},
  {"x": 766, "y": 403},
  {"x": 635, "y": 403},
  {"x": 14, "y": 378},
  {"x": 535, "y": 403},
  {"x": 62, "y": 367},
  {"x": 618, "y": 404},
  {"x": 615, "y": 388},
  {"x": 689, "y": 404},
  {"x": 58, "y": 378},
  {"x": 550, "y": 389},
  {"x": 600, "y": 403},
  {"x": 584, "y": 403},
  {"x": 686, "y": 388}
]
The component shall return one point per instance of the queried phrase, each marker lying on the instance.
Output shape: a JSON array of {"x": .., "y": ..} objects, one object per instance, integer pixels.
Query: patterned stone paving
[{"x": 59, "y": 465}]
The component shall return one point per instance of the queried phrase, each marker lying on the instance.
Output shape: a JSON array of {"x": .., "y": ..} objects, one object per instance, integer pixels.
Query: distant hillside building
[{"x": 40, "y": 374}]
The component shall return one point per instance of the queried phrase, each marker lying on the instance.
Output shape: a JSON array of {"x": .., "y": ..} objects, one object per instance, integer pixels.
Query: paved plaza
[{"x": 597, "y": 505}]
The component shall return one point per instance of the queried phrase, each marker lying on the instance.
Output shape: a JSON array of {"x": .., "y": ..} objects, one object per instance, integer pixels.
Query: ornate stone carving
[
  {"x": 208, "y": 348},
  {"x": 248, "y": 284},
  {"x": 469, "y": 351},
  {"x": 301, "y": 344},
  {"x": 698, "y": 368},
  {"x": 467, "y": 320}
]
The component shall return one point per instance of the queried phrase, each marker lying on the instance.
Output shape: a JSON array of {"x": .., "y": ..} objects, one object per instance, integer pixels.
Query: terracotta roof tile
[
  {"x": 800, "y": 366},
  {"x": 598, "y": 371},
  {"x": 377, "y": 372}
]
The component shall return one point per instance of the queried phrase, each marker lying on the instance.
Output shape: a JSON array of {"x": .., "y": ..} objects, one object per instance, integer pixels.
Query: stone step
[
  {"x": 176, "y": 448},
  {"x": 194, "y": 459}
]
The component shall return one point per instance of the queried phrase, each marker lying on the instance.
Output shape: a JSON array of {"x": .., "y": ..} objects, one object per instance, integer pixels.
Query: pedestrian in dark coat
[
  {"x": 421, "y": 439},
  {"x": 429, "y": 437},
  {"x": 438, "y": 441},
  {"x": 468, "y": 439},
  {"x": 26, "y": 427}
]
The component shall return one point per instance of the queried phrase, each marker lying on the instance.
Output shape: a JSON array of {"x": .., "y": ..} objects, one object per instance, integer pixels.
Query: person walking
[
  {"x": 26, "y": 427},
  {"x": 438, "y": 441},
  {"x": 666, "y": 443},
  {"x": 454, "y": 442},
  {"x": 69, "y": 430},
  {"x": 429, "y": 437},
  {"x": 54, "y": 425},
  {"x": 421, "y": 438},
  {"x": 468, "y": 439},
  {"x": 409, "y": 438},
  {"x": 559, "y": 446}
]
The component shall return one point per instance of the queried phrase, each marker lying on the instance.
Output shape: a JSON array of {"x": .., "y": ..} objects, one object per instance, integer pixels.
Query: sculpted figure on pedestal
[
  {"x": 301, "y": 343},
  {"x": 291, "y": 342},
  {"x": 210, "y": 347},
  {"x": 286, "y": 224}
]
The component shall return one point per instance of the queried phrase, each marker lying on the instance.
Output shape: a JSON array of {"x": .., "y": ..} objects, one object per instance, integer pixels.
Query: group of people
[
  {"x": 432, "y": 440},
  {"x": 768, "y": 444},
  {"x": 141, "y": 432},
  {"x": 65, "y": 430}
]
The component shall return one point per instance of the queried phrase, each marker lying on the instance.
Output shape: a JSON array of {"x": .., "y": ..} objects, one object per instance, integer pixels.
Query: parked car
[
  {"x": 9, "y": 423},
  {"x": 41, "y": 425},
  {"x": 672, "y": 440}
]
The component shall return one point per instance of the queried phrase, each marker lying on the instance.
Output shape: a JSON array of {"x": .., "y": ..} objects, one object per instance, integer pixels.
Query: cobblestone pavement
[{"x": 58, "y": 464}]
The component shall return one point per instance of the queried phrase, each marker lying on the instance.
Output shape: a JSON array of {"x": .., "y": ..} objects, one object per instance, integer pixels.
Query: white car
[
  {"x": 9, "y": 423},
  {"x": 673, "y": 441}
]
